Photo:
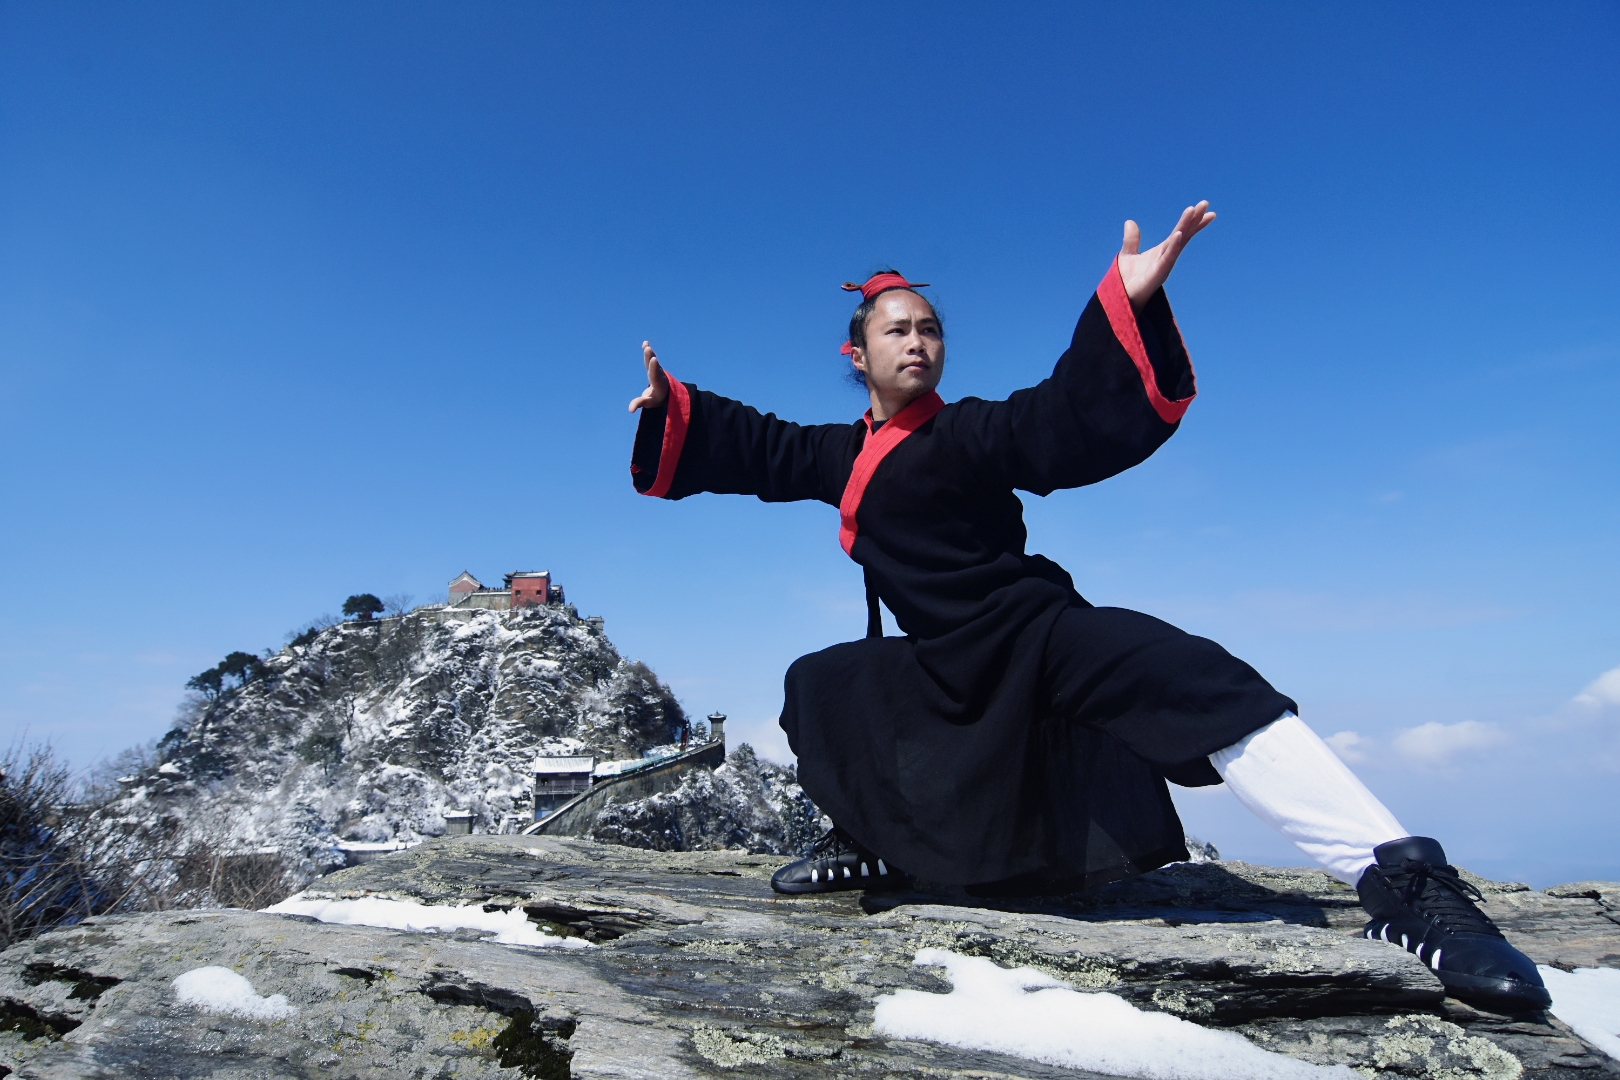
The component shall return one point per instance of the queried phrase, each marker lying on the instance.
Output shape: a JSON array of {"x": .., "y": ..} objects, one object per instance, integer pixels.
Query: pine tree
[{"x": 363, "y": 605}]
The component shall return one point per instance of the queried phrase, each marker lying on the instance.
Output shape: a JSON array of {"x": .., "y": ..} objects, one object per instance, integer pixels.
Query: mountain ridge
[{"x": 368, "y": 731}]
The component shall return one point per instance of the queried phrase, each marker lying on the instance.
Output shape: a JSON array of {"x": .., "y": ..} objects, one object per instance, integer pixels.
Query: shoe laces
[
  {"x": 833, "y": 843},
  {"x": 1442, "y": 896}
]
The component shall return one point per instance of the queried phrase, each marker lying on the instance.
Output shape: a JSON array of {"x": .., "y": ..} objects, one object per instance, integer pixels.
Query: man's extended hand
[
  {"x": 1145, "y": 272},
  {"x": 657, "y": 391}
]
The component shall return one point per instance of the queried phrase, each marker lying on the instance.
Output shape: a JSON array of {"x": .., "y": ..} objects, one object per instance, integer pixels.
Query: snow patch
[
  {"x": 1588, "y": 1000},
  {"x": 648, "y": 758},
  {"x": 1032, "y": 1015},
  {"x": 221, "y": 990},
  {"x": 510, "y": 927}
]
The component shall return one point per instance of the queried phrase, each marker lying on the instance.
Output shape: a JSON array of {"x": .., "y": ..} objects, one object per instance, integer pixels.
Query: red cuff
[
  {"x": 1122, "y": 317},
  {"x": 677, "y": 417}
]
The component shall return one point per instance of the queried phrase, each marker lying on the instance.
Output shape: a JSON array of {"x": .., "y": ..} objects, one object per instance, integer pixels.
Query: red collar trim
[{"x": 878, "y": 444}]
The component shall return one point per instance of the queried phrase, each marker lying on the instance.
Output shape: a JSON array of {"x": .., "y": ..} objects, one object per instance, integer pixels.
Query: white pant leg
[{"x": 1296, "y": 784}]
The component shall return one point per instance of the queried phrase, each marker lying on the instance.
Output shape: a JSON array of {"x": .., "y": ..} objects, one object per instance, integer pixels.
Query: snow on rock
[
  {"x": 709, "y": 974},
  {"x": 221, "y": 990},
  {"x": 747, "y": 804},
  {"x": 370, "y": 731},
  {"x": 1199, "y": 851},
  {"x": 1588, "y": 1000},
  {"x": 648, "y": 756},
  {"x": 510, "y": 927},
  {"x": 1033, "y": 1015}
]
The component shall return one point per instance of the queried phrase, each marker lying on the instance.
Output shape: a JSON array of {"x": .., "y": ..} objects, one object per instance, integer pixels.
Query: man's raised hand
[
  {"x": 657, "y": 391},
  {"x": 1145, "y": 272}
]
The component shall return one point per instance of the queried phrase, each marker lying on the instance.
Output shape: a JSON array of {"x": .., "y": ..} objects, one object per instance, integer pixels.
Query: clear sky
[{"x": 302, "y": 300}]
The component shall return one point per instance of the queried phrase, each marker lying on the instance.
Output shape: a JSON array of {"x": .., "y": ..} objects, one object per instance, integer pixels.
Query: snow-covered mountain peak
[{"x": 371, "y": 730}]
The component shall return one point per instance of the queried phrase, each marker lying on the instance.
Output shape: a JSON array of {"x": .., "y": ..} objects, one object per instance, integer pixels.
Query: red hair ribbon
[{"x": 874, "y": 285}]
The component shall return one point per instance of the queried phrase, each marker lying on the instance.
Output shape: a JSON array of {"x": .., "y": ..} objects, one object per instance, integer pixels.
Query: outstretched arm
[
  {"x": 1145, "y": 272},
  {"x": 1115, "y": 396},
  {"x": 690, "y": 440}
]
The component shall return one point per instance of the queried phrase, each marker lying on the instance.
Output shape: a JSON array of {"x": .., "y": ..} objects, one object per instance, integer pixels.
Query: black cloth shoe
[
  {"x": 1418, "y": 901},
  {"x": 837, "y": 862}
]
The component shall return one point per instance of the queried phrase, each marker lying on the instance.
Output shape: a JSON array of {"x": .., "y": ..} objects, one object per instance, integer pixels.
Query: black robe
[{"x": 1016, "y": 738}]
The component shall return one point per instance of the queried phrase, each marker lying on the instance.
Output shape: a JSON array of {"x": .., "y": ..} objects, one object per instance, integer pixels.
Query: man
[{"x": 1017, "y": 738}]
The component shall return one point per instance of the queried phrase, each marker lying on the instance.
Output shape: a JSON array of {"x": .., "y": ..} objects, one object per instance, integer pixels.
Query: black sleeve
[
  {"x": 701, "y": 441},
  {"x": 1116, "y": 395}
]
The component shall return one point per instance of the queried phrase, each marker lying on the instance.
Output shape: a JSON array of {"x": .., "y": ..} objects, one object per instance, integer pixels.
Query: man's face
[{"x": 904, "y": 355}]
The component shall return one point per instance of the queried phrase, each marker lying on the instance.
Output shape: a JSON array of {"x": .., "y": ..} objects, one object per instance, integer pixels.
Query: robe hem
[{"x": 1042, "y": 885}]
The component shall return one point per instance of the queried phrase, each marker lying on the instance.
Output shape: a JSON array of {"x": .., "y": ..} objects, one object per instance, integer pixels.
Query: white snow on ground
[
  {"x": 221, "y": 990},
  {"x": 1588, "y": 1000},
  {"x": 509, "y": 927},
  {"x": 1032, "y": 1015}
]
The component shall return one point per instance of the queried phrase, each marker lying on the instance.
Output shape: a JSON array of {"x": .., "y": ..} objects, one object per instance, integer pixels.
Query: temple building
[
  {"x": 521, "y": 588},
  {"x": 558, "y": 779}
]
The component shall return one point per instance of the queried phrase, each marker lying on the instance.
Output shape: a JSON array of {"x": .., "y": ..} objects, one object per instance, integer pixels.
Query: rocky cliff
[
  {"x": 369, "y": 731},
  {"x": 747, "y": 804},
  {"x": 686, "y": 965}
]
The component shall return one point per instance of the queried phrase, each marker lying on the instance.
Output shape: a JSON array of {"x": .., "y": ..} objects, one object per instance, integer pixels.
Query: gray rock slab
[{"x": 696, "y": 969}]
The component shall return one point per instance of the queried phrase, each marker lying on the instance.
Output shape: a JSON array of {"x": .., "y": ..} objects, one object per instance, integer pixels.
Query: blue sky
[{"x": 300, "y": 300}]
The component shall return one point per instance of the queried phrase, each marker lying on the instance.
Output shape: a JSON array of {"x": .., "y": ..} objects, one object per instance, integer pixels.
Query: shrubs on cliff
[
  {"x": 236, "y": 670},
  {"x": 45, "y": 881},
  {"x": 61, "y": 860},
  {"x": 68, "y": 852}
]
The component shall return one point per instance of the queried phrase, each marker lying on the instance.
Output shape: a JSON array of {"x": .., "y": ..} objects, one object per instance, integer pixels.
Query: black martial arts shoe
[
  {"x": 1419, "y": 902},
  {"x": 837, "y": 862}
]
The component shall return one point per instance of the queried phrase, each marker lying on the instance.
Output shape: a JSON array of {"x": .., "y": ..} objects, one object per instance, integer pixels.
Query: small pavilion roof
[{"x": 561, "y": 764}]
